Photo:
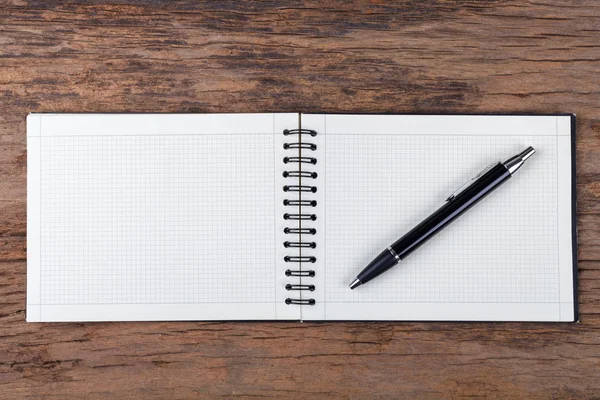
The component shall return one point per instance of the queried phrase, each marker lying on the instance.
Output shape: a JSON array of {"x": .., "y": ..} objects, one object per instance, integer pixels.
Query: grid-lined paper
[
  {"x": 502, "y": 250},
  {"x": 507, "y": 258},
  {"x": 157, "y": 219},
  {"x": 176, "y": 222}
]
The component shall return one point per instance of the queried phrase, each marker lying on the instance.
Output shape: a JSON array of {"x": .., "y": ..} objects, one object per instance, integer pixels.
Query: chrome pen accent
[
  {"x": 355, "y": 283},
  {"x": 515, "y": 162},
  {"x": 396, "y": 256}
]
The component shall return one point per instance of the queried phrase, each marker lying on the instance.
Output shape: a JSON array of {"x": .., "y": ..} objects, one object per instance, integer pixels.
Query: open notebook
[{"x": 185, "y": 217}]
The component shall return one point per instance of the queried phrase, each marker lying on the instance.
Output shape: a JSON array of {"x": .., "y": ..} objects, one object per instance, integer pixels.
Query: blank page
[
  {"x": 153, "y": 217},
  {"x": 508, "y": 258}
]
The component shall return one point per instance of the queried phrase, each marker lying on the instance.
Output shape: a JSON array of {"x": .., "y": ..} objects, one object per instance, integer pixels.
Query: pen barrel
[{"x": 421, "y": 233}]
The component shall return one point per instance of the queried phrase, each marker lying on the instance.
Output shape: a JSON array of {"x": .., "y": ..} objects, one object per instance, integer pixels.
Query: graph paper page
[
  {"x": 508, "y": 258},
  {"x": 153, "y": 217}
]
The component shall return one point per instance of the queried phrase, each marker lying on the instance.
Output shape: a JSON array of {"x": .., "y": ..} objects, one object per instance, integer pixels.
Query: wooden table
[{"x": 470, "y": 56}]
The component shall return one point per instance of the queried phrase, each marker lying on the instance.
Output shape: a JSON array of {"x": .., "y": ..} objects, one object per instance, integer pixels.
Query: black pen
[{"x": 460, "y": 201}]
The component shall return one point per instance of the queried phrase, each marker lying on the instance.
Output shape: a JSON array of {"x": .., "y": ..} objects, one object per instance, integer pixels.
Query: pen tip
[
  {"x": 355, "y": 283},
  {"x": 527, "y": 153}
]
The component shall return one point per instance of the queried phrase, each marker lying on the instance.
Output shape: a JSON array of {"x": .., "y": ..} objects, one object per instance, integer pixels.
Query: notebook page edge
[{"x": 33, "y": 308}]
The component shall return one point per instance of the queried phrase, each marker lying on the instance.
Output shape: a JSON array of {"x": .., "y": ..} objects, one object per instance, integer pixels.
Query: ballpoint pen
[{"x": 460, "y": 201}]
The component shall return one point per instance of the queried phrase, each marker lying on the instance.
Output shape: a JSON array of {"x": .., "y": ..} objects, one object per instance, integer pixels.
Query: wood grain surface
[{"x": 475, "y": 56}]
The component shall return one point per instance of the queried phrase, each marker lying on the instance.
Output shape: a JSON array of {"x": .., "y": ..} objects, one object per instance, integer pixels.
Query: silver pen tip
[
  {"x": 355, "y": 283},
  {"x": 515, "y": 162},
  {"x": 527, "y": 153}
]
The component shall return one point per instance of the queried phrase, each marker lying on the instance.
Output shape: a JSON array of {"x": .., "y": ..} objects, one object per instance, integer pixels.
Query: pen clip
[{"x": 470, "y": 182}]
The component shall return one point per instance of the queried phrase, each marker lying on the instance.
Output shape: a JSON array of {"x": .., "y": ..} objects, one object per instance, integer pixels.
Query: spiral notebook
[{"x": 271, "y": 216}]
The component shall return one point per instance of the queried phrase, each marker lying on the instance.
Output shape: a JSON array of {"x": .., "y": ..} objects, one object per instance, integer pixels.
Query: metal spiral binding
[
  {"x": 308, "y": 302},
  {"x": 303, "y": 203},
  {"x": 302, "y": 231},
  {"x": 299, "y": 174},
  {"x": 299, "y": 188},
  {"x": 300, "y": 287},
  {"x": 309, "y": 273},
  {"x": 309, "y": 146},
  {"x": 310, "y": 245},
  {"x": 311, "y": 217},
  {"x": 299, "y": 147},
  {"x": 305, "y": 160},
  {"x": 299, "y": 259}
]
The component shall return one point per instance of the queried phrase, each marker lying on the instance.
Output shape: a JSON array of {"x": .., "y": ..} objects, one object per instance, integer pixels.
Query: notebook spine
[{"x": 297, "y": 164}]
